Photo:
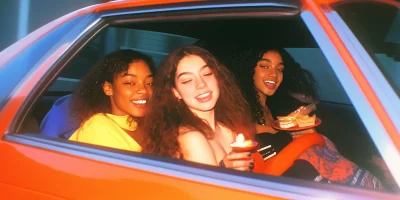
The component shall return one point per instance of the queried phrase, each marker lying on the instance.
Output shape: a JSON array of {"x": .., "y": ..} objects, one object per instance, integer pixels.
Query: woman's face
[
  {"x": 131, "y": 90},
  {"x": 196, "y": 84},
  {"x": 268, "y": 73}
]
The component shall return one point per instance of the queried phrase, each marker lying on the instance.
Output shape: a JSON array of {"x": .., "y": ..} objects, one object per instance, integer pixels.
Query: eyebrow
[
  {"x": 183, "y": 73},
  {"x": 134, "y": 75},
  {"x": 268, "y": 60}
]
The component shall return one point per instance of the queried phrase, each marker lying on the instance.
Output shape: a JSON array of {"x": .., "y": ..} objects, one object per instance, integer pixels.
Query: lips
[
  {"x": 270, "y": 84},
  {"x": 207, "y": 96},
  {"x": 140, "y": 103}
]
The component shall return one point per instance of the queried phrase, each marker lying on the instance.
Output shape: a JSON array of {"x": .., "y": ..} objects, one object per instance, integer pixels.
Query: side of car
[{"x": 75, "y": 171}]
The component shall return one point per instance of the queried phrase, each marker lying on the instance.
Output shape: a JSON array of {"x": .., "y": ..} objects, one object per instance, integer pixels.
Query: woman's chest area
[{"x": 220, "y": 143}]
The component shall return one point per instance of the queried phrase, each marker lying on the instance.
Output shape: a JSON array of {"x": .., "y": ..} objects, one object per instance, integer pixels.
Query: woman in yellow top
[{"x": 112, "y": 100}]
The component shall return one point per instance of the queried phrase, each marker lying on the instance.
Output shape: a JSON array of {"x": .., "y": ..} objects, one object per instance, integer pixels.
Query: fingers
[
  {"x": 245, "y": 163},
  {"x": 244, "y": 166},
  {"x": 236, "y": 156}
]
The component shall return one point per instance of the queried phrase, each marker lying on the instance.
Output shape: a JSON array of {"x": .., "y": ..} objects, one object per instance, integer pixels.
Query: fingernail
[{"x": 251, "y": 166}]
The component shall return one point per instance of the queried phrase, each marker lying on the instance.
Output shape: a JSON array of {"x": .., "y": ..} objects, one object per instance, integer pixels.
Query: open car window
[{"x": 222, "y": 36}]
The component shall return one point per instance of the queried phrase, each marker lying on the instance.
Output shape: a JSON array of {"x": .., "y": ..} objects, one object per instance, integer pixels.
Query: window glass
[
  {"x": 154, "y": 44},
  {"x": 223, "y": 39},
  {"x": 377, "y": 27},
  {"x": 313, "y": 60}
]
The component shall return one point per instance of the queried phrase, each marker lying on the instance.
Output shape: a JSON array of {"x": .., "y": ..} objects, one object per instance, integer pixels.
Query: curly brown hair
[
  {"x": 89, "y": 98},
  {"x": 167, "y": 114}
]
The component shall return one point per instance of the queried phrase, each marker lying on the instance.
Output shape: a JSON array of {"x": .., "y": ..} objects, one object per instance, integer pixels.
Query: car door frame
[
  {"x": 352, "y": 65},
  {"x": 241, "y": 184}
]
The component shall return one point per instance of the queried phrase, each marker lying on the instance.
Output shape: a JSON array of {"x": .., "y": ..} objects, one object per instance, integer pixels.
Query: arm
[
  {"x": 195, "y": 148},
  {"x": 297, "y": 134}
]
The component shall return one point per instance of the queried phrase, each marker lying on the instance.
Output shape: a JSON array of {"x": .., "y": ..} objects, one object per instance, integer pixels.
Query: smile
[
  {"x": 204, "y": 95},
  {"x": 142, "y": 101},
  {"x": 270, "y": 82}
]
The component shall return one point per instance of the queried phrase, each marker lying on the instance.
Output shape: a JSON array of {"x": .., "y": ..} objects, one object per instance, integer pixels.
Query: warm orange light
[{"x": 241, "y": 142}]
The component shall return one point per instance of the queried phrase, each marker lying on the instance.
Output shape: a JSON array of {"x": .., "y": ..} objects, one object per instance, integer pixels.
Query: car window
[
  {"x": 154, "y": 44},
  {"x": 313, "y": 60},
  {"x": 157, "y": 39},
  {"x": 377, "y": 27}
]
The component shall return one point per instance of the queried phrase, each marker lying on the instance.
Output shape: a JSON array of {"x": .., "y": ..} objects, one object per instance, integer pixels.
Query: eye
[
  {"x": 208, "y": 74},
  {"x": 129, "y": 83},
  {"x": 280, "y": 70},
  {"x": 150, "y": 84},
  {"x": 186, "y": 81},
  {"x": 264, "y": 66}
]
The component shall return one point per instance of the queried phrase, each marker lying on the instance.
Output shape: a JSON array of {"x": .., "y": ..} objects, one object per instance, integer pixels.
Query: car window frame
[
  {"x": 267, "y": 185},
  {"x": 379, "y": 83},
  {"x": 380, "y": 136}
]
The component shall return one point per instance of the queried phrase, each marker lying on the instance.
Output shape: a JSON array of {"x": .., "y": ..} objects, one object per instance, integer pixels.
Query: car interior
[{"x": 222, "y": 36}]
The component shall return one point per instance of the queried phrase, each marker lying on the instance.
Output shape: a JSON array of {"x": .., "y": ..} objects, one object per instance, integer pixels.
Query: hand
[
  {"x": 240, "y": 161},
  {"x": 297, "y": 134}
]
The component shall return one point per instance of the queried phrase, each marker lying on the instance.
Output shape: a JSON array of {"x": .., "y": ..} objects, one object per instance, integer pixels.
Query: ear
[
  {"x": 107, "y": 88},
  {"x": 176, "y": 93}
]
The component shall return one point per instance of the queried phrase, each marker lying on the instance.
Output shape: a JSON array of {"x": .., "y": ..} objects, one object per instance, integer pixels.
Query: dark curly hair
[
  {"x": 167, "y": 114},
  {"x": 296, "y": 82},
  {"x": 89, "y": 98}
]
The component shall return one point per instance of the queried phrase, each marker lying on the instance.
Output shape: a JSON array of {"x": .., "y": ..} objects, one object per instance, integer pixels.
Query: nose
[
  {"x": 273, "y": 72},
  {"x": 200, "y": 83},
  {"x": 141, "y": 89}
]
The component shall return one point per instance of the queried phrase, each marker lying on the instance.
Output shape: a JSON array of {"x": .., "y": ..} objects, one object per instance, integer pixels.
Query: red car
[{"x": 351, "y": 47}]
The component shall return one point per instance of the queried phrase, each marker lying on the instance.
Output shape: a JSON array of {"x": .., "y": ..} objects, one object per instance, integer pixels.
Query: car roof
[{"x": 121, "y": 4}]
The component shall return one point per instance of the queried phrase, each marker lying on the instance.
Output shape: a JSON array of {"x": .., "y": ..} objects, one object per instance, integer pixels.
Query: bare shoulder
[
  {"x": 195, "y": 147},
  {"x": 187, "y": 136}
]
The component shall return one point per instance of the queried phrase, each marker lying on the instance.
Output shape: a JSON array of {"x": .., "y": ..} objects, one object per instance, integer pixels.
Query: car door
[{"x": 36, "y": 167}]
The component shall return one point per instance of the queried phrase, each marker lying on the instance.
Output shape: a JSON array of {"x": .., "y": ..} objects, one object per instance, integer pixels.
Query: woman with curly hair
[
  {"x": 274, "y": 84},
  {"x": 198, "y": 111},
  {"x": 112, "y": 100}
]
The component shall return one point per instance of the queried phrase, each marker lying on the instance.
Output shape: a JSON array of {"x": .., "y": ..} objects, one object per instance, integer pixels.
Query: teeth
[
  {"x": 204, "y": 95},
  {"x": 140, "y": 101},
  {"x": 270, "y": 82}
]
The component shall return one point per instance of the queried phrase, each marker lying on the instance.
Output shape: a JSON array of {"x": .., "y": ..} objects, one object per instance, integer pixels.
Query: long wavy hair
[
  {"x": 89, "y": 98},
  {"x": 297, "y": 82},
  {"x": 167, "y": 115}
]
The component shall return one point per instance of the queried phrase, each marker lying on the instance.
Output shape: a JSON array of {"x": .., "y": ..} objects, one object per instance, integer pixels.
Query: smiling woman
[
  {"x": 112, "y": 99},
  {"x": 199, "y": 111}
]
